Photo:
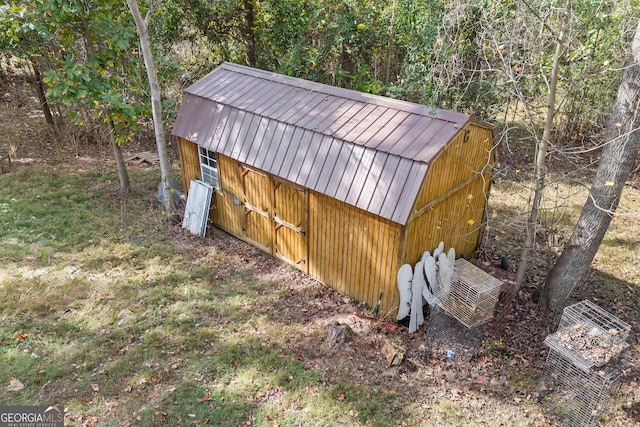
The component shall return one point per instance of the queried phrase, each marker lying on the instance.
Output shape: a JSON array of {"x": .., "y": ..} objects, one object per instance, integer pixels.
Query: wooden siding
[
  {"x": 257, "y": 195},
  {"x": 268, "y": 212},
  {"x": 189, "y": 162},
  {"x": 291, "y": 217},
  {"x": 230, "y": 211},
  {"x": 190, "y": 165},
  {"x": 353, "y": 251},
  {"x": 451, "y": 205}
]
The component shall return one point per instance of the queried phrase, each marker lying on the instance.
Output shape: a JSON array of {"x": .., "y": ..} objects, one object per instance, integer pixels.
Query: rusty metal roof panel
[{"x": 369, "y": 151}]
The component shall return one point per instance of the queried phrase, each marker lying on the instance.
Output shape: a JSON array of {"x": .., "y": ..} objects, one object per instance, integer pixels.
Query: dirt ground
[{"x": 494, "y": 370}]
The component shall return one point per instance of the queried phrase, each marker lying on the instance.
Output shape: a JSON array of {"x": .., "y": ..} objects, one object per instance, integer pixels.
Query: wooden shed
[{"x": 346, "y": 186}]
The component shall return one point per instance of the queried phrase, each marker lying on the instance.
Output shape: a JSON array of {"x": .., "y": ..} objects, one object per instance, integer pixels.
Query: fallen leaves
[
  {"x": 88, "y": 420},
  {"x": 393, "y": 353},
  {"x": 15, "y": 385},
  {"x": 206, "y": 397},
  {"x": 95, "y": 387},
  {"x": 264, "y": 396},
  {"x": 21, "y": 336},
  {"x": 311, "y": 391}
]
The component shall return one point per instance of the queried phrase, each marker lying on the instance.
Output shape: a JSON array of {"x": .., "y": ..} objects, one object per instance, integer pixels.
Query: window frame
[{"x": 209, "y": 172}]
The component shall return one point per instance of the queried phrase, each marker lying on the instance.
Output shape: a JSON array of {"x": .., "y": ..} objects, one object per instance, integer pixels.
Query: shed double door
[{"x": 276, "y": 214}]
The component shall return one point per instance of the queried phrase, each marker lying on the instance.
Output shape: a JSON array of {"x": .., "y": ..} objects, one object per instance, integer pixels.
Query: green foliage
[
  {"x": 94, "y": 86},
  {"x": 98, "y": 77},
  {"x": 494, "y": 348},
  {"x": 19, "y": 30},
  {"x": 88, "y": 52},
  {"x": 339, "y": 43},
  {"x": 464, "y": 55}
]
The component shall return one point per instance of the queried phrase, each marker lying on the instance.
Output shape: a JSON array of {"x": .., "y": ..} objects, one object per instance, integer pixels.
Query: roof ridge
[{"x": 409, "y": 107}]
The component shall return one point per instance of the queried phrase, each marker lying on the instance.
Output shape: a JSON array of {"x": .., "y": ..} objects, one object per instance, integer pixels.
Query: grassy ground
[{"x": 102, "y": 312}]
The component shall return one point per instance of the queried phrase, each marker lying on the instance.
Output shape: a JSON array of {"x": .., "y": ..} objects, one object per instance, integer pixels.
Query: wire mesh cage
[
  {"x": 466, "y": 292},
  {"x": 448, "y": 337},
  {"x": 581, "y": 397},
  {"x": 588, "y": 335}
]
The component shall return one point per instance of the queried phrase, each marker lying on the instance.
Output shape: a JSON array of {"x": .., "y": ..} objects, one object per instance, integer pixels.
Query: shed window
[{"x": 209, "y": 167}]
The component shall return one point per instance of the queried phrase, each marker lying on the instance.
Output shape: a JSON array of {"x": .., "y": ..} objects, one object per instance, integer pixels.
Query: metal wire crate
[
  {"x": 588, "y": 335},
  {"x": 580, "y": 397},
  {"x": 449, "y": 339},
  {"x": 467, "y": 293}
]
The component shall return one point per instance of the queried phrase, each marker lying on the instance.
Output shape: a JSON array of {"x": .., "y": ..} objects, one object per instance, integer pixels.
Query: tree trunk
[
  {"x": 125, "y": 183},
  {"x": 541, "y": 159},
  {"x": 387, "y": 75},
  {"x": 42, "y": 96},
  {"x": 616, "y": 161},
  {"x": 156, "y": 107},
  {"x": 248, "y": 30}
]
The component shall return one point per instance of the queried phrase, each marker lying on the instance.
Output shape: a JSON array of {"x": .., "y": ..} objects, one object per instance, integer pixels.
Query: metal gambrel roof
[{"x": 368, "y": 151}]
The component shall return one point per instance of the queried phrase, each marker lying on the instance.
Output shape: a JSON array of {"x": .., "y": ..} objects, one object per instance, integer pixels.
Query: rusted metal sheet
[{"x": 368, "y": 151}]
